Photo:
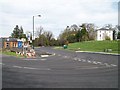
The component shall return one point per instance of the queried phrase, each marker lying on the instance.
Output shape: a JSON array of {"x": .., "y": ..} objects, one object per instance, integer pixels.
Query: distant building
[
  {"x": 102, "y": 33},
  {"x": 10, "y": 43},
  {"x": 2, "y": 40}
]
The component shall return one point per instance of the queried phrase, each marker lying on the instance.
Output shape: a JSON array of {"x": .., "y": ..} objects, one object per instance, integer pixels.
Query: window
[{"x": 7, "y": 44}]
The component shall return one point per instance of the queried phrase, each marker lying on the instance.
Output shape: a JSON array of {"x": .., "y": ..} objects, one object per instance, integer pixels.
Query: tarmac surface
[{"x": 64, "y": 69}]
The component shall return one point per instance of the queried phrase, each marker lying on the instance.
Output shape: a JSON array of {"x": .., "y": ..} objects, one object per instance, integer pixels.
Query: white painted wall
[{"x": 102, "y": 33}]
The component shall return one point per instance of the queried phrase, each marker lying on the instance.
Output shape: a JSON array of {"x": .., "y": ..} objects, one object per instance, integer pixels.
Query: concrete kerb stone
[
  {"x": 97, "y": 52},
  {"x": 48, "y": 55}
]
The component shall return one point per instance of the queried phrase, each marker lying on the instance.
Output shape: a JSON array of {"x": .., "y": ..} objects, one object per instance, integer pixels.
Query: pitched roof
[
  {"x": 105, "y": 29},
  {"x": 11, "y": 40}
]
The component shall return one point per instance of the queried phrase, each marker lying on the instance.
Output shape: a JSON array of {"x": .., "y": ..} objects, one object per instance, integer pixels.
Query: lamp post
[{"x": 33, "y": 29}]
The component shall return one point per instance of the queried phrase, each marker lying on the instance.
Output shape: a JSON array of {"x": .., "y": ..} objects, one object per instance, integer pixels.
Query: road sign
[{"x": 19, "y": 44}]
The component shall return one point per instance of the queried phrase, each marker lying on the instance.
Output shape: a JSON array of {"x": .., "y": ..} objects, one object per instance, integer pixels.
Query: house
[
  {"x": 10, "y": 43},
  {"x": 2, "y": 40},
  {"x": 103, "y": 33}
]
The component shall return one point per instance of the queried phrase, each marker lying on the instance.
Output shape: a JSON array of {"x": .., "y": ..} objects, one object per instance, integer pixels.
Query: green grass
[
  {"x": 95, "y": 46},
  {"x": 11, "y": 54}
]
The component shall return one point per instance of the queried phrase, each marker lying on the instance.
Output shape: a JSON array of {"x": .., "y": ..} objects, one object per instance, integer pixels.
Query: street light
[{"x": 33, "y": 29}]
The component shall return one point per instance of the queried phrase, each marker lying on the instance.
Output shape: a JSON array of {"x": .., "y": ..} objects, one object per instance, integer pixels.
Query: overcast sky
[{"x": 55, "y": 14}]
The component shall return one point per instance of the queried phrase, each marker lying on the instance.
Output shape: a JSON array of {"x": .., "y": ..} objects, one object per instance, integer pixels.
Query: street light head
[{"x": 39, "y": 15}]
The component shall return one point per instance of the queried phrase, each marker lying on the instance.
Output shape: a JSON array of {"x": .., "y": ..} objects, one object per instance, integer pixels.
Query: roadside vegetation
[
  {"x": 96, "y": 46},
  {"x": 8, "y": 52}
]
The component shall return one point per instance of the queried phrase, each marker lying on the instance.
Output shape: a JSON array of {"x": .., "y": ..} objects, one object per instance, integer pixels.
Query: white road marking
[
  {"x": 17, "y": 66},
  {"x": 75, "y": 58},
  {"x": 107, "y": 65},
  {"x": 113, "y": 65},
  {"x": 30, "y": 59},
  {"x": 44, "y": 55},
  {"x": 79, "y": 59},
  {"x": 2, "y": 64},
  {"x": 59, "y": 55},
  {"x": 43, "y": 59},
  {"x": 37, "y": 68},
  {"x": 99, "y": 62},
  {"x": 83, "y": 60},
  {"x": 54, "y": 54},
  {"x": 88, "y": 67},
  {"x": 94, "y": 62},
  {"x": 65, "y": 56},
  {"x": 29, "y": 68},
  {"x": 89, "y": 61}
]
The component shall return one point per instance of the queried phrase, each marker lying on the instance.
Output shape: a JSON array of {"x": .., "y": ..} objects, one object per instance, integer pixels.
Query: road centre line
[
  {"x": 43, "y": 59},
  {"x": 37, "y": 68},
  {"x": 30, "y": 59},
  {"x": 29, "y": 68}
]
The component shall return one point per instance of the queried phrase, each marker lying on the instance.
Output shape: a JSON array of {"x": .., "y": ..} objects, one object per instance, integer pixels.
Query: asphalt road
[{"x": 65, "y": 69}]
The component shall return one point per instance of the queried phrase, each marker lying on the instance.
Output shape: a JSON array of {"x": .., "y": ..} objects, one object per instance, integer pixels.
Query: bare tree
[
  {"x": 108, "y": 26},
  {"x": 39, "y": 31},
  {"x": 48, "y": 35}
]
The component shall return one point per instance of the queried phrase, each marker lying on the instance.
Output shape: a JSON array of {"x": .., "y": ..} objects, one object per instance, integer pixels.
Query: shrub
[{"x": 107, "y": 38}]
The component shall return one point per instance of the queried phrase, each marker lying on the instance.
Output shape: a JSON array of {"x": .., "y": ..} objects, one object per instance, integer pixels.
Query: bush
[{"x": 107, "y": 38}]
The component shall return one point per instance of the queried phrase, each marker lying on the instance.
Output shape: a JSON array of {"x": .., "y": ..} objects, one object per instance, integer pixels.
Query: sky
[{"x": 55, "y": 14}]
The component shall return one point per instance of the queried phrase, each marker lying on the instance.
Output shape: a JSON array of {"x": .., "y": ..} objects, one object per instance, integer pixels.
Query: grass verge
[
  {"x": 94, "y": 46},
  {"x": 7, "y": 52}
]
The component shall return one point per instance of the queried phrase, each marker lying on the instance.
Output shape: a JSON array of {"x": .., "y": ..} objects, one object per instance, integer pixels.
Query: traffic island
[{"x": 44, "y": 54}]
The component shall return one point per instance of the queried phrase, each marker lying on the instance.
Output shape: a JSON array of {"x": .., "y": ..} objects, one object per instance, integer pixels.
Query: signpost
[{"x": 19, "y": 44}]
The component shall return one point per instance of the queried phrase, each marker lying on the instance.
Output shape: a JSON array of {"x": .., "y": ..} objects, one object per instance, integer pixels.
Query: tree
[
  {"x": 15, "y": 33},
  {"x": 91, "y": 31},
  {"x": 118, "y": 36},
  {"x": 84, "y": 33},
  {"x": 114, "y": 34},
  {"x": 48, "y": 35},
  {"x": 18, "y": 33},
  {"x": 108, "y": 26},
  {"x": 78, "y": 36},
  {"x": 39, "y": 31},
  {"x": 71, "y": 39}
]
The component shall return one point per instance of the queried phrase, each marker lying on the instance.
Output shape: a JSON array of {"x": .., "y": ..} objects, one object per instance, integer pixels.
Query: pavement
[{"x": 64, "y": 69}]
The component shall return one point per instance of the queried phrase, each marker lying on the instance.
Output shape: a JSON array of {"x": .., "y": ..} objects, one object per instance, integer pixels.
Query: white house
[{"x": 103, "y": 32}]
